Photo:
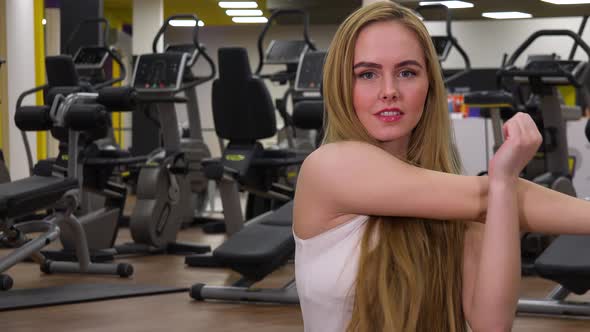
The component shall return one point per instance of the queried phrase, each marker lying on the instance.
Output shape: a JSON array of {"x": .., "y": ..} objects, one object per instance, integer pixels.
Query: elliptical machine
[
  {"x": 542, "y": 76},
  {"x": 445, "y": 43},
  {"x": 172, "y": 173},
  {"x": 286, "y": 53}
]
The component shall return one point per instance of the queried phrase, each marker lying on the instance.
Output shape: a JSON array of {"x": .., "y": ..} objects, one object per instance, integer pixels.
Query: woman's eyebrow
[
  {"x": 367, "y": 65},
  {"x": 409, "y": 63},
  {"x": 378, "y": 66}
]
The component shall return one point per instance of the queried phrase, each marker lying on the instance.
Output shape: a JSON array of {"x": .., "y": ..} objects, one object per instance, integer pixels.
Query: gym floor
[{"x": 178, "y": 312}]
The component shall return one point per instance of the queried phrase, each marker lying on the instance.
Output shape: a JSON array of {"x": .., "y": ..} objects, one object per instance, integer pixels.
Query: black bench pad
[
  {"x": 28, "y": 195},
  {"x": 282, "y": 216},
  {"x": 567, "y": 262},
  {"x": 488, "y": 98},
  {"x": 257, "y": 250}
]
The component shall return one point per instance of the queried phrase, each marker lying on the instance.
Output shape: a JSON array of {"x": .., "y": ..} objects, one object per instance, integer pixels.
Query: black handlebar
[
  {"x": 274, "y": 15},
  {"x": 541, "y": 33},
  {"x": 510, "y": 70},
  {"x": 580, "y": 32},
  {"x": 448, "y": 20},
  {"x": 198, "y": 46},
  {"x": 177, "y": 17},
  {"x": 122, "y": 75},
  {"x": 87, "y": 21}
]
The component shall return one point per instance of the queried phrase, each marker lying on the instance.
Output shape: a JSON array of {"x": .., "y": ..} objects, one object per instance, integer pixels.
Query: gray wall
[{"x": 484, "y": 41}]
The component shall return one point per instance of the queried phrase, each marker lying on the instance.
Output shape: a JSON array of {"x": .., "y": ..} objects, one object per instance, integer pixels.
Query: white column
[
  {"x": 148, "y": 17},
  {"x": 52, "y": 47},
  {"x": 53, "y": 31},
  {"x": 20, "y": 63}
]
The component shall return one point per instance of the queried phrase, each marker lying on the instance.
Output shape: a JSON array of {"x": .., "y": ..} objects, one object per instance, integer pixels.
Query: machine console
[
  {"x": 442, "y": 45},
  {"x": 159, "y": 72},
  {"x": 91, "y": 57},
  {"x": 184, "y": 48},
  {"x": 554, "y": 72},
  {"x": 286, "y": 52},
  {"x": 309, "y": 71}
]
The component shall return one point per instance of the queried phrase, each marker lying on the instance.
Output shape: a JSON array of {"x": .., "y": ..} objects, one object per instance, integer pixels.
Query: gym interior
[{"x": 135, "y": 195}]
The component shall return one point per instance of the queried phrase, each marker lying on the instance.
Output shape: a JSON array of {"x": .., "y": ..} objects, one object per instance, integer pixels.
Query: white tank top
[{"x": 326, "y": 266}]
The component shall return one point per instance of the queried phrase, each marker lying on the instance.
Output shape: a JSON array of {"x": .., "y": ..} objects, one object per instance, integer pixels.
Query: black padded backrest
[
  {"x": 61, "y": 71},
  {"x": 242, "y": 106}
]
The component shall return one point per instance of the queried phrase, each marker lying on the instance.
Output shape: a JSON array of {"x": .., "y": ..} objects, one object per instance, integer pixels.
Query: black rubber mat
[{"x": 77, "y": 293}]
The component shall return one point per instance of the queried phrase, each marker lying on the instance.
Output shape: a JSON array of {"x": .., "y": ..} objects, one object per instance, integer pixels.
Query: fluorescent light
[
  {"x": 506, "y": 15},
  {"x": 448, "y": 4},
  {"x": 238, "y": 4},
  {"x": 243, "y": 12},
  {"x": 255, "y": 19},
  {"x": 185, "y": 23},
  {"x": 567, "y": 2},
  {"x": 43, "y": 21}
]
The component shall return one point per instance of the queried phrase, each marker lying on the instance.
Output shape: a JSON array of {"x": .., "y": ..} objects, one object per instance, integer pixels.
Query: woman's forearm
[
  {"x": 547, "y": 211},
  {"x": 498, "y": 275},
  {"x": 544, "y": 210}
]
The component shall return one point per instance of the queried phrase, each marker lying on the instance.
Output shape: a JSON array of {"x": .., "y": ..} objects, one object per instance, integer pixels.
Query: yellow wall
[{"x": 39, "y": 13}]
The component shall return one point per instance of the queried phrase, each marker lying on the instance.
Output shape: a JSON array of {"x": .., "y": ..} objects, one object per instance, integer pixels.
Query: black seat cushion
[
  {"x": 489, "y": 99},
  {"x": 567, "y": 262},
  {"x": 282, "y": 216},
  {"x": 28, "y": 195},
  {"x": 257, "y": 250},
  {"x": 279, "y": 158}
]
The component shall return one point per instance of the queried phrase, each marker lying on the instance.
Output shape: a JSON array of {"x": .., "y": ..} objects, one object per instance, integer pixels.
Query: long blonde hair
[{"x": 410, "y": 270}]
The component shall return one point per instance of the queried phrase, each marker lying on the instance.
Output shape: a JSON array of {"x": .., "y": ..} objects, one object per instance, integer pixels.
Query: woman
[{"x": 389, "y": 237}]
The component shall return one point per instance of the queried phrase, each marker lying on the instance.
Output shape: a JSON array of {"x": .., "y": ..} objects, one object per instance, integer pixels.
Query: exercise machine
[
  {"x": 55, "y": 191},
  {"x": 266, "y": 242},
  {"x": 564, "y": 260},
  {"x": 164, "y": 190},
  {"x": 286, "y": 53},
  {"x": 445, "y": 43}
]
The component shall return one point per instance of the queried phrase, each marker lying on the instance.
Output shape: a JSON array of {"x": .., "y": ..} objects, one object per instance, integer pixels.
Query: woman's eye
[
  {"x": 407, "y": 73},
  {"x": 367, "y": 75}
]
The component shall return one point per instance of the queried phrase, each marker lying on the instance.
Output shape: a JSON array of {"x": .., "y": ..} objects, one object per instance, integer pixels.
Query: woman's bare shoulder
[{"x": 316, "y": 208}]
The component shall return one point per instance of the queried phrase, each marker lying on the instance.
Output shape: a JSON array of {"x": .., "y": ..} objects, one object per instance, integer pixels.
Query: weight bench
[
  {"x": 261, "y": 247},
  {"x": 567, "y": 262}
]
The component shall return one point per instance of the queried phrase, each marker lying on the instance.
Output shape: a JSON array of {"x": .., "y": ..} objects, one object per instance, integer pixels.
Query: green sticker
[{"x": 235, "y": 157}]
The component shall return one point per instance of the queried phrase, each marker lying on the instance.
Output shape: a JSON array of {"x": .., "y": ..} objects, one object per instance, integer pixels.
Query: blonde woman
[{"x": 389, "y": 236}]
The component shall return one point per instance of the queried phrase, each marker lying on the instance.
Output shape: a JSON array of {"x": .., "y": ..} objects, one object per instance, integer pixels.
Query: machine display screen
[
  {"x": 159, "y": 72},
  {"x": 285, "y": 51},
  {"x": 309, "y": 72},
  {"x": 442, "y": 45},
  {"x": 90, "y": 57}
]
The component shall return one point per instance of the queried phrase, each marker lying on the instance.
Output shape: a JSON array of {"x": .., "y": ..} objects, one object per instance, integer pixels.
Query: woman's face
[{"x": 390, "y": 83}]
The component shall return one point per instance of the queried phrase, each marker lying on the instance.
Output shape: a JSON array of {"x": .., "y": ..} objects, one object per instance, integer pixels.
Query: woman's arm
[
  {"x": 492, "y": 280},
  {"x": 351, "y": 178}
]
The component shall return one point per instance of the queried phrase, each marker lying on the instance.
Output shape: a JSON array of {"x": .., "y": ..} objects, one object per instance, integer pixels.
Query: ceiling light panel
[
  {"x": 567, "y": 2},
  {"x": 243, "y": 12},
  {"x": 506, "y": 15},
  {"x": 243, "y": 19},
  {"x": 238, "y": 4},
  {"x": 185, "y": 23},
  {"x": 448, "y": 4}
]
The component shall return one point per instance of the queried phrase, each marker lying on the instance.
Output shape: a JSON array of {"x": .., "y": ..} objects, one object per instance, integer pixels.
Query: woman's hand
[{"x": 521, "y": 141}]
